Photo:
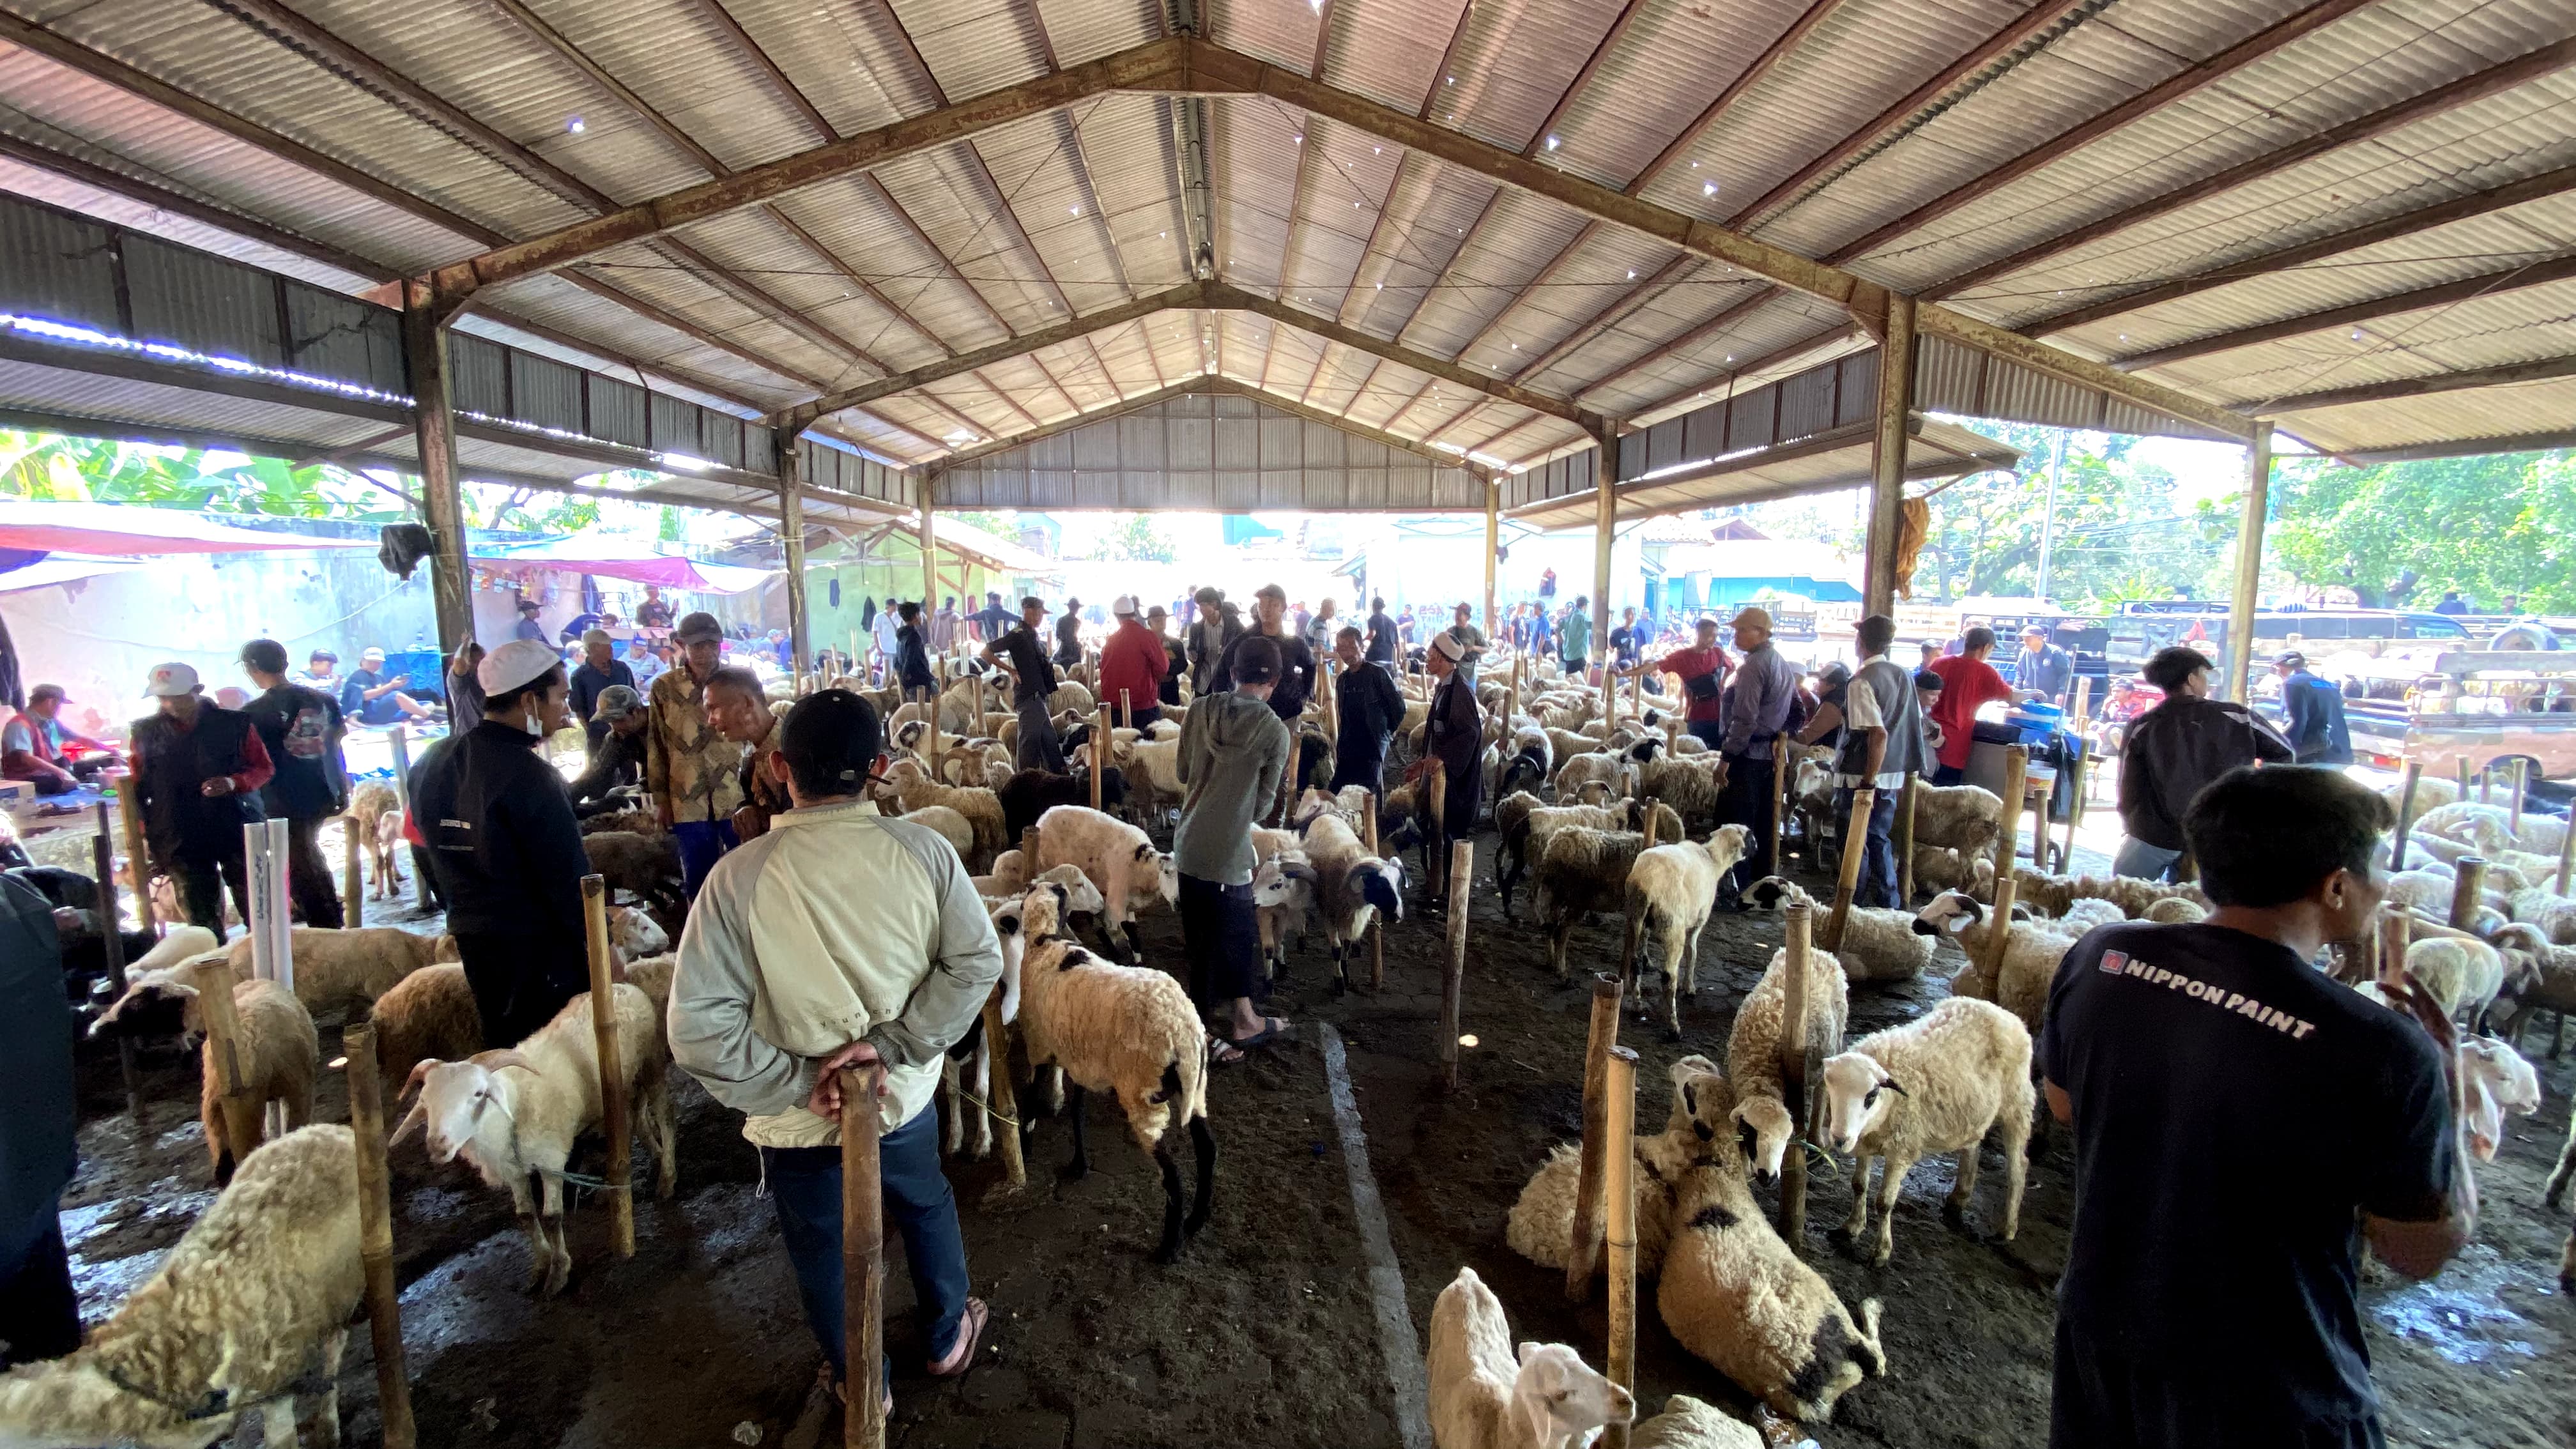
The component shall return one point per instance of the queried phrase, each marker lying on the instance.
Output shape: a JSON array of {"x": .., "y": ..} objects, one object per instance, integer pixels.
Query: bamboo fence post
[
  {"x": 862, "y": 1261},
  {"x": 1620, "y": 1360},
  {"x": 2468, "y": 891},
  {"x": 1126, "y": 720},
  {"x": 1100, "y": 751},
  {"x": 1001, "y": 1102},
  {"x": 2037, "y": 804},
  {"x": 612, "y": 1077},
  {"x": 241, "y": 1112},
  {"x": 2521, "y": 789},
  {"x": 2083, "y": 703},
  {"x": 2075, "y": 803},
  {"x": 376, "y": 1234},
  {"x": 2567, "y": 853},
  {"x": 1583, "y": 1251},
  {"x": 1453, "y": 981},
  {"x": 2486, "y": 783},
  {"x": 353, "y": 878},
  {"x": 2463, "y": 763},
  {"x": 1512, "y": 705},
  {"x": 1905, "y": 842},
  {"x": 1855, "y": 841},
  {"x": 1781, "y": 768},
  {"x": 2016, "y": 785},
  {"x": 1793, "y": 1069},
  {"x": 1377, "y": 919},
  {"x": 2406, "y": 822},
  {"x": 138, "y": 870},
  {"x": 2395, "y": 935},
  {"x": 2005, "y": 889},
  {"x": 1435, "y": 829},
  {"x": 111, "y": 923}
]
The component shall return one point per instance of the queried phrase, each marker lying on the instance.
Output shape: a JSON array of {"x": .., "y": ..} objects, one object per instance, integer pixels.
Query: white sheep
[
  {"x": 1524, "y": 826},
  {"x": 346, "y": 970},
  {"x": 2175, "y": 911},
  {"x": 1596, "y": 767},
  {"x": 1686, "y": 1423},
  {"x": 2032, "y": 951},
  {"x": 1283, "y": 904},
  {"x": 2486, "y": 829},
  {"x": 2430, "y": 893},
  {"x": 1736, "y": 1295},
  {"x": 1050, "y": 899},
  {"x": 1689, "y": 786},
  {"x": 2540, "y": 975},
  {"x": 430, "y": 1013},
  {"x": 2462, "y": 975},
  {"x": 1753, "y": 1049},
  {"x": 513, "y": 1114},
  {"x": 1119, "y": 858},
  {"x": 1964, "y": 818},
  {"x": 2554, "y": 914},
  {"x": 634, "y": 934},
  {"x": 1130, "y": 1031},
  {"x": 1878, "y": 944},
  {"x": 913, "y": 789},
  {"x": 1008, "y": 877},
  {"x": 1671, "y": 889},
  {"x": 2494, "y": 1081},
  {"x": 1581, "y": 871},
  {"x": 1482, "y": 1397},
  {"x": 945, "y": 822},
  {"x": 1938, "y": 868},
  {"x": 1352, "y": 888},
  {"x": 179, "y": 943},
  {"x": 252, "y": 1305},
  {"x": 276, "y": 1052},
  {"x": 1935, "y": 1084},
  {"x": 1153, "y": 771},
  {"x": 1540, "y": 1226}
]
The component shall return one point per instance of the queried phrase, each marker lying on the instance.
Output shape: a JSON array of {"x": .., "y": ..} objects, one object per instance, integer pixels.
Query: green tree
[
  {"x": 2402, "y": 533},
  {"x": 1137, "y": 540},
  {"x": 55, "y": 468},
  {"x": 2119, "y": 531}
]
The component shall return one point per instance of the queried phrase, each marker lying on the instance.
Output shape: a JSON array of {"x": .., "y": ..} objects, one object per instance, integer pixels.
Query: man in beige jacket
[
  {"x": 689, "y": 766},
  {"x": 840, "y": 938}
]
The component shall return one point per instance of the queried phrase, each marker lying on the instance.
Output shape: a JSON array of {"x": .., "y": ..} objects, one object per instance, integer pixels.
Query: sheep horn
[
  {"x": 419, "y": 1074},
  {"x": 1890, "y": 1084},
  {"x": 493, "y": 1061},
  {"x": 418, "y": 1115}
]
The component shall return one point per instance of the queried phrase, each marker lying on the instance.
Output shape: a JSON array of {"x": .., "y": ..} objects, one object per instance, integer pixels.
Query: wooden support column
[
  {"x": 1493, "y": 546},
  {"x": 863, "y": 1424},
  {"x": 613, "y": 1116},
  {"x": 1583, "y": 1250},
  {"x": 442, "y": 500},
  {"x": 376, "y": 1235},
  {"x": 1619, "y": 1361},
  {"x": 2249, "y": 562},
  {"x": 791, "y": 535},
  {"x": 929, "y": 546},
  {"x": 1605, "y": 534},
  {"x": 1887, "y": 454}
]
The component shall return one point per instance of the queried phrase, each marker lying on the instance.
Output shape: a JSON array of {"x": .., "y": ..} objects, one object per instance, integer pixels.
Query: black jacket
[
  {"x": 36, "y": 1104},
  {"x": 301, "y": 729},
  {"x": 1372, "y": 708},
  {"x": 2316, "y": 726},
  {"x": 177, "y": 819},
  {"x": 2175, "y": 750},
  {"x": 1383, "y": 646},
  {"x": 912, "y": 660},
  {"x": 1296, "y": 673},
  {"x": 501, "y": 834},
  {"x": 615, "y": 760}
]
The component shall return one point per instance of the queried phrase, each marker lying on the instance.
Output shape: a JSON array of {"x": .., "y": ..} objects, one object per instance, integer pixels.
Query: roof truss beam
[
  {"x": 2440, "y": 295},
  {"x": 1207, "y": 383},
  {"x": 2541, "y": 370}
]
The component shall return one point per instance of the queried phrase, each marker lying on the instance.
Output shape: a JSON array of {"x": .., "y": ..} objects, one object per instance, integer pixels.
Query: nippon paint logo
[{"x": 2121, "y": 963}]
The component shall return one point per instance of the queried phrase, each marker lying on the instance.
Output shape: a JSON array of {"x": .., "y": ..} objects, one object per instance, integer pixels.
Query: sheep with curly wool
[
  {"x": 430, "y": 1013},
  {"x": 1738, "y": 1296},
  {"x": 1753, "y": 1050},
  {"x": 1965, "y": 818},
  {"x": 276, "y": 1052},
  {"x": 1686, "y": 1423},
  {"x": 1133, "y": 1032},
  {"x": 513, "y": 1114},
  {"x": 1283, "y": 904},
  {"x": 1879, "y": 944},
  {"x": 1581, "y": 870},
  {"x": 2463, "y": 976},
  {"x": 1938, "y": 868},
  {"x": 2552, "y": 914},
  {"x": 2175, "y": 911},
  {"x": 2032, "y": 950},
  {"x": 1540, "y": 1226},
  {"x": 1352, "y": 889},
  {"x": 250, "y": 1309},
  {"x": 1484, "y": 1398},
  {"x": 1688, "y": 786},
  {"x": 966, "y": 1073},
  {"x": 1119, "y": 858},
  {"x": 1525, "y": 827},
  {"x": 1937, "y": 1083},
  {"x": 1671, "y": 890},
  {"x": 1576, "y": 773},
  {"x": 345, "y": 970},
  {"x": 914, "y": 790}
]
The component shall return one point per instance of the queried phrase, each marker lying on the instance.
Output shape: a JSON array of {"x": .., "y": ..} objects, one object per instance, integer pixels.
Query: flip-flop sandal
[
  {"x": 1268, "y": 1036},
  {"x": 970, "y": 1336}
]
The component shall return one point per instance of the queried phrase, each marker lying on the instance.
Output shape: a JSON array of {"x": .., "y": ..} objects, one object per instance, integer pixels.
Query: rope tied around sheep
[{"x": 216, "y": 1404}]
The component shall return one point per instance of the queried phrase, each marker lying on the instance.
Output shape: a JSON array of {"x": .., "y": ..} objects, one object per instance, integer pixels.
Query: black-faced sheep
[
  {"x": 2031, "y": 955},
  {"x": 253, "y": 1300},
  {"x": 1671, "y": 889},
  {"x": 1541, "y": 1224},
  {"x": 1482, "y": 1397},
  {"x": 1937, "y": 1083},
  {"x": 1352, "y": 888},
  {"x": 1753, "y": 1050}
]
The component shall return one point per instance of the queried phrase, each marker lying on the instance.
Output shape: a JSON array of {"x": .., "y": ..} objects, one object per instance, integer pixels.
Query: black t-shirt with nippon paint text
[{"x": 2234, "y": 1110}]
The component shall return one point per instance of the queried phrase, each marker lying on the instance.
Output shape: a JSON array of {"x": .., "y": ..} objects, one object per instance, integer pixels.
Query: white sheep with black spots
[
  {"x": 1937, "y": 1083},
  {"x": 1540, "y": 1226},
  {"x": 1753, "y": 1049}
]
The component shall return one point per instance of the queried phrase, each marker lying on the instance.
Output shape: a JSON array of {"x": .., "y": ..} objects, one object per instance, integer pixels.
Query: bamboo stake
[
  {"x": 2463, "y": 763},
  {"x": 1905, "y": 842},
  {"x": 2083, "y": 702},
  {"x": 1620, "y": 1361},
  {"x": 862, "y": 1261},
  {"x": 2016, "y": 785},
  {"x": 2521, "y": 789},
  {"x": 2406, "y": 821},
  {"x": 2005, "y": 888},
  {"x": 138, "y": 872},
  {"x": 1781, "y": 769},
  {"x": 111, "y": 924},
  {"x": 1377, "y": 919},
  {"x": 1583, "y": 1251},
  {"x": 2486, "y": 784},
  {"x": 1793, "y": 1069},
  {"x": 1462, "y": 871},
  {"x": 1099, "y": 750},
  {"x": 2468, "y": 891},
  {"x": 1512, "y": 706},
  {"x": 241, "y": 1112},
  {"x": 353, "y": 876},
  {"x": 1001, "y": 1095},
  {"x": 2567, "y": 853},
  {"x": 1855, "y": 843},
  {"x": 1435, "y": 829},
  {"x": 2076, "y": 791},
  {"x": 376, "y": 1234},
  {"x": 2395, "y": 935},
  {"x": 612, "y": 1079},
  {"x": 1126, "y": 720}
]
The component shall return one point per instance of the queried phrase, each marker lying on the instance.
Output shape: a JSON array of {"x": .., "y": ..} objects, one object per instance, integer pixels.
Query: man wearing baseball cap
[
  {"x": 1132, "y": 664},
  {"x": 2316, "y": 728},
  {"x": 1296, "y": 677},
  {"x": 505, "y": 847},
  {"x": 198, "y": 768},
  {"x": 300, "y": 729},
  {"x": 368, "y": 697},
  {"x": 1756, "y": 711},
  {"x": 691, "y": 768},
  {"x": 33, "y": 745},
  {"x": 616, "y": 763}
]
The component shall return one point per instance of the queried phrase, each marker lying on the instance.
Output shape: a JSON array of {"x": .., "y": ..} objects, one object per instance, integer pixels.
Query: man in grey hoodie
[{"x": 1232, "y": 752}]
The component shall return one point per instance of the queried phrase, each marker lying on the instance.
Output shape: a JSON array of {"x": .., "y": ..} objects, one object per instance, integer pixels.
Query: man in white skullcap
[{"x": 505, "y": 846}]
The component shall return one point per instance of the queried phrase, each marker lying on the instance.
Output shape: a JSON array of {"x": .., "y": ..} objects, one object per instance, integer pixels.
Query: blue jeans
[
  {"x": 2146, "y": 862},
  {"x": 702, "y": 843},
  {"x": 1877, "y": 886},
  {"x": 806, "y": 1184}
]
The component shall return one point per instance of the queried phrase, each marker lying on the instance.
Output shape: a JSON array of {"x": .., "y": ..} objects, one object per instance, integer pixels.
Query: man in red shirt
[
  {"x": 1968, "y": 684},
  {"x": 1133, "y": 660},
  {"x": 1702, "y": 668}
]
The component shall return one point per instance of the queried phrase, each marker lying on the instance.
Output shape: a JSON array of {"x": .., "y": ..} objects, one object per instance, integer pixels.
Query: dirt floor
[{"x": 1266, "y": 1330}]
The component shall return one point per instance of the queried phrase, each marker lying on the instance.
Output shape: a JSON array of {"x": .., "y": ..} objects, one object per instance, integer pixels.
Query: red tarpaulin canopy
[
  {"x": 118, "y": 529},
  {"x": 635, "y": 563}
]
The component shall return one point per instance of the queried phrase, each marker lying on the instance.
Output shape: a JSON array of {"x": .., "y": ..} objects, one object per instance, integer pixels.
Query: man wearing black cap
[
  {"x": 529, "y": 628},
  {"x": 1068, "y": 634},
  {"x": 1296, "y": 677},
  {"x": 1020, "y": 655},
  {"x": 1205, "y": 639},
  {"x": 300, "y": 728},
  {"x": 506, "y": 848}
]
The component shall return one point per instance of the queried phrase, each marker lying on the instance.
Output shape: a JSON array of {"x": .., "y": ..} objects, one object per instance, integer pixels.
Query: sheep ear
[
  {"x": 1690, "y": 1098},
  {"x": 419, "y": 1075},
  {"x": 1145, "y": 851}
]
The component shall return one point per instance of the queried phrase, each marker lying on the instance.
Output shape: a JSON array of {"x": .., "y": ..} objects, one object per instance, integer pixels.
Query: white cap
[
  {"x": 1450, "y": 647},
  {"x": 515, "y": 663},
  {"x": 169, "y": 681},
  {"x": 1125, "y": 608}
]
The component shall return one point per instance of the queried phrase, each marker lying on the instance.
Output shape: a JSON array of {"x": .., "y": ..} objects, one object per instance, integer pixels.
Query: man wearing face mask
[{"x": 505, "y": 847}]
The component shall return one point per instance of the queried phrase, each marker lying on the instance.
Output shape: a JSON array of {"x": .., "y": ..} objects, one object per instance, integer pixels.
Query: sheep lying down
[{"x": 1541, "y": 1225}]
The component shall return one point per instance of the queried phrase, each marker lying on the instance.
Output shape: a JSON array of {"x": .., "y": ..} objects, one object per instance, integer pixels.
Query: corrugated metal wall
[
  {"x": 822, "y": 465},
  {"x": 1210, "y": 453}
]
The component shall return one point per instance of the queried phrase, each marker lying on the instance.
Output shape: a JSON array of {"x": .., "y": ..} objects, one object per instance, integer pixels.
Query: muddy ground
[{"x": 1265, "y": 1330}]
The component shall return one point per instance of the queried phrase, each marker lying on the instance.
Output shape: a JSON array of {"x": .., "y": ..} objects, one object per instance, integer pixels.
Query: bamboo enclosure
[{"x": 615, "y": 1122}]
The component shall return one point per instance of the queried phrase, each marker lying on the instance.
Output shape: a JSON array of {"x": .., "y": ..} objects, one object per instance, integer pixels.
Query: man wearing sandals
[
  {"x": 840, "y": 938},
  {"x": 1233, "y": 750}
]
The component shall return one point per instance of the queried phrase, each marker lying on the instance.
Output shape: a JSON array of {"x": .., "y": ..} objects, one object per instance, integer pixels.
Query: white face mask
[{"x": 534, "y": 725}]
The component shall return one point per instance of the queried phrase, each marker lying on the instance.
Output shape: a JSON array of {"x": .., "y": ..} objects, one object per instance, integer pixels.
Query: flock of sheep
[{"x": 250, "y": 1309}]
